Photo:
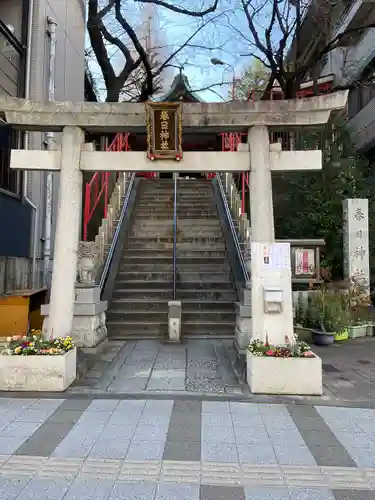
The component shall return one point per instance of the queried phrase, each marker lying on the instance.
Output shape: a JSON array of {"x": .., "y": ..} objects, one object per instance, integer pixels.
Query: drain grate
[{"x": 330, "y": 368}]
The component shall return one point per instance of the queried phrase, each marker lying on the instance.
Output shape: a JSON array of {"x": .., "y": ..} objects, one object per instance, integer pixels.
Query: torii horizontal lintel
[
  {"x": 127, "y": 117},
  {"x": 192, "y": 161}
]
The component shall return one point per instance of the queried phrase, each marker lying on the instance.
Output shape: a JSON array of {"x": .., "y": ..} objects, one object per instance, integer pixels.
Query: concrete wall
[
  {"x": 70, "y": 18},
  {"x": 363, "y": 127},
  {"x": 347, "y": 64}
]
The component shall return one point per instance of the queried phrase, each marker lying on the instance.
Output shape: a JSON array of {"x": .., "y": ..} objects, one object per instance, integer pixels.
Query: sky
[{"x": 225, "y": 37}]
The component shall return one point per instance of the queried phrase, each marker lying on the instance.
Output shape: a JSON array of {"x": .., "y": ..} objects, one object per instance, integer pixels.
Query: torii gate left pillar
[{"x": 69, "y": 210}]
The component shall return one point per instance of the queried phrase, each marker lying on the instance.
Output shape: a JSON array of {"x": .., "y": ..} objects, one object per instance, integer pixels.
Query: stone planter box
[
  {"x": 38, "y": 373},
  {"x": 269, "y": 375},
  {"x": 357, "y": 331}
]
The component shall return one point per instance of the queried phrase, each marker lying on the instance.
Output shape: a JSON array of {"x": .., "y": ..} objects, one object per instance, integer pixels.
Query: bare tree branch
[{"x": 181, "y": 10}]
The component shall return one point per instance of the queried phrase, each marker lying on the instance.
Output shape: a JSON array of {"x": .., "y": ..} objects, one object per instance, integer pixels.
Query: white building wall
[{"x": 69, "y": 77}]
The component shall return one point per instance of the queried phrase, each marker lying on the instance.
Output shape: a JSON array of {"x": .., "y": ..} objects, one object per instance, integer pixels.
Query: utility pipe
[
  {"x": 25, "y": 173},
  {"x": 50, "y": 141}
]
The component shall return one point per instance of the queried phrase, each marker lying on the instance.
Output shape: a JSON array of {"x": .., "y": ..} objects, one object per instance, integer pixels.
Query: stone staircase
[{"x": 144, "y": 285}]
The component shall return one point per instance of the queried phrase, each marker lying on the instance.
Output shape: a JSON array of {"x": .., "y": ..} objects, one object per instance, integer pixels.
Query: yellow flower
[{"x": 17, "y": 350}]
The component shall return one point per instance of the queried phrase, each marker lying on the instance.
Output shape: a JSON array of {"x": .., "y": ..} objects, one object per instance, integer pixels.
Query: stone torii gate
[{"x": 74, "y": 157}]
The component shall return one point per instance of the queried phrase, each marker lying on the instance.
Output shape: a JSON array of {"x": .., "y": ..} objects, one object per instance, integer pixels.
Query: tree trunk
[{"x": 113, "y": 93}]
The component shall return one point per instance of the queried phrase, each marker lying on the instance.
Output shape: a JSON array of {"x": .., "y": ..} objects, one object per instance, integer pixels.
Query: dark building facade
[{"x": 15, "y": 213}]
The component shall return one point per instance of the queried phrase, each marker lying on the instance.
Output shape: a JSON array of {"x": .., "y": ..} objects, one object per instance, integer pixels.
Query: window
[
  {"x": 9, "y": 179},
  {"x": 13, "y": 16}
]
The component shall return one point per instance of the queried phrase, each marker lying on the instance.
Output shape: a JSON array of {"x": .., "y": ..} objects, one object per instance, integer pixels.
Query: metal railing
[
  {"x": 174, "y": 236},
  {"x": 233, "y": 230},
  {"x": 109, "y": 257},
  {"x": 99, "y": 189}
]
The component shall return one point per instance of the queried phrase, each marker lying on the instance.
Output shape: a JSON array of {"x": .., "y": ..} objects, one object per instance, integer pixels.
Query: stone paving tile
[
  {"x": 10, "y": 487},
  {"x": 177, "y": 491},
  {"x": 44, "y": 489},
  {"x": 182, "y": 440},
  {"x": 353, "y": 495},
  {"x": 219, "y": 452},
  {"x": 133, "y": 491},
  {"x": 353, "y": 430},
  {"x": 267, "y": 493},
  {"x": 67, "y": 468},
  {"x": 324, "y": 446},
  {"x": 311, "y": 494},
  {"x": 100, "y": 469},
  {"x": 145, "y": 450},
  {"x": 221, "y": 493},
  {"x": 221, "y": 474},
  {"x": 142, "y": 471},
  {"x": 180, "y": 472},
  {"x": 47, "y": 436},
  {"x": 89, "y": 489}
]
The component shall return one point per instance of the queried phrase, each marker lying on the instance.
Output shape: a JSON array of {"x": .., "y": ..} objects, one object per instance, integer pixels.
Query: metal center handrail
[
  {"x": 236, "y": 242},
  {"x": 174, "y": 236},
  {"x": 112, "y": 247}
]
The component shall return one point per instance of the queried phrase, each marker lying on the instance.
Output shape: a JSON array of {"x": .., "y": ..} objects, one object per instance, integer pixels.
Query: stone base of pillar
[
  {"x": 243, "y": 325},
  {"x": 89, "y": 329},
  {"x": 174, "y": 321},
  {"x": 242, "y": 335}
]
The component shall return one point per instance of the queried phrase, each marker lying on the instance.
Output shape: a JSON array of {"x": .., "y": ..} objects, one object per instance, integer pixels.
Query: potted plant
[
  {"x": 326, "y": 316},
  {"x": 31, "y": 363},
  {"x": 290, "y": 368},
  {"x": 358, "y": 305}
]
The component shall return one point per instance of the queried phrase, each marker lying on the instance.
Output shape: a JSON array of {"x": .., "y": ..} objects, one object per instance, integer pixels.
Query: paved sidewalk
[
  {"x": 197, "y": 366},
  {"x": 208, "y": 368},
  {"x": 83, "y": 449}
]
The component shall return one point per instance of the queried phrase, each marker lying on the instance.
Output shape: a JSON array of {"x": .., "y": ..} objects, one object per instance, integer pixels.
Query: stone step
[
  {"x": 145, "y": 293},
  {"x": 193, "y": 306},
  {"x": 167, "y": 232},
  {"x": 155, "y": 259},
  {"x": 181, "y": 240},
  {"x": 118, "y": 330},
  {"x": 118, "y": 304},
  {"x": 207, "y": 315},
  {"x": 140, "y": 316},
  {"x": 181, "y": 212},
  {"x": 181, "y": 190},
  {"x": 136, "y": 316},
  {"x": 168, "y": 215},
  {"x": 183, "y": 277},
  {"x": 181, "y": 246},
  {"x": 167, "y": 285},
  {"x": 212, "y": 222},
  {"x": 225, "y": 294},
  {"x": 168, "y": 253},
  {"x": 208, "y": 328},
  {"x": 181, "y": 195},
  {"x": 152, "y": 266},
  {"x": 158, "y": 293}
]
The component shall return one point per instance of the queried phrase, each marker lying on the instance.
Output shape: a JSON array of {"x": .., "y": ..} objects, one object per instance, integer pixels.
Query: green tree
[
  {"x": 255, "y": 78},
  {"x": 311, "y": 203}
]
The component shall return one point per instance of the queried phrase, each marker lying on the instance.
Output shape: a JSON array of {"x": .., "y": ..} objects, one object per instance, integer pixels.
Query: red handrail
[
  {"x": 99, "y": 184},
  {"x": 230, "y": 142}
]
